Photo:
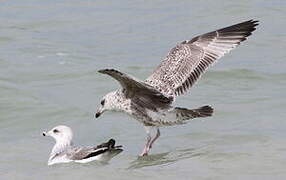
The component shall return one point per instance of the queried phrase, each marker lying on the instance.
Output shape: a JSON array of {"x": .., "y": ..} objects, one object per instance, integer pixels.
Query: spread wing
[
  {"x": 186, "y": 62},
  {"x": 133, "y": 88}
]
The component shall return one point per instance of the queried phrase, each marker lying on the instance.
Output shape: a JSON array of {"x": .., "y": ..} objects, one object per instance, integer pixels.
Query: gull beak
[
  {"x": 46, "y": 133},
  {"x": 98, "y": 113}
]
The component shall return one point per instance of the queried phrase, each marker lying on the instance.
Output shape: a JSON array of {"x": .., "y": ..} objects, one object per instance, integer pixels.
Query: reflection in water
[
  {"x": 75, "y": 165},
  {"x": 166, "y": 158}
]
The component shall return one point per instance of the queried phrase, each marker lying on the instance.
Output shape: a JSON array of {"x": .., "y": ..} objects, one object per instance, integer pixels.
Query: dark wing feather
[
  {"x": 133, "y": 88},
  {"x": 186, "y": 62},
  {"x": 96, "y": 153},
  {"x": 84, "y": 153}
]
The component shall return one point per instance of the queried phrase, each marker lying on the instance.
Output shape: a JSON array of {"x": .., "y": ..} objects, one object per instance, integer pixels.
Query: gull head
[
  {"x": 110, "y": 102},
  {"x": 62, "y": 134}
]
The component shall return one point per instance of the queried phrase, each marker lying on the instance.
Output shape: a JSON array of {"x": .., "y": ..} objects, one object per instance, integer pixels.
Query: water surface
[{"x": 50, "y": 54}]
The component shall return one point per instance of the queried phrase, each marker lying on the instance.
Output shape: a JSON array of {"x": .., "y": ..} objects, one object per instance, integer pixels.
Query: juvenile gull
[
  {"x": 150, "y": 101},
  {"x": 64, "y": 151}
]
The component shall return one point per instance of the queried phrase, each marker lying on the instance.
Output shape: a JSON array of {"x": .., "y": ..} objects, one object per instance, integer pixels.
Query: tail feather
[
  {"x": 179, "y": 116},
  {"x": 186, "y": 114},
  {"x": 109, "y": 144}
]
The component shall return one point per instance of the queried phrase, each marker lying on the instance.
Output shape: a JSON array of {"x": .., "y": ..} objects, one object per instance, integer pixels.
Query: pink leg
[
  {"x": 154, "y": 139},
  {"x": 146, "y": 147},
  {"x": 149, "y": 143}
]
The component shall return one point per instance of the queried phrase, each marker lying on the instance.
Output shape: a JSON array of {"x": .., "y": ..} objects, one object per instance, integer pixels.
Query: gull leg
[
  {"x": 146, "y": 147},
  {"x": 154, "y": 139}
]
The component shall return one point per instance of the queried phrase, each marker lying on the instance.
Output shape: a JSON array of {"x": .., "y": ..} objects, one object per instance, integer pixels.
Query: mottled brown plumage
[
  {"x": 150, "y": 101},
  {"x": 186, "y": 62}
]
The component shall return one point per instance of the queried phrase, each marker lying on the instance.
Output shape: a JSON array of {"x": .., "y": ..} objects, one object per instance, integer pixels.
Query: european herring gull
[
  {"x": 64, "y": 151},
  {"x": 150, "y": 101}
]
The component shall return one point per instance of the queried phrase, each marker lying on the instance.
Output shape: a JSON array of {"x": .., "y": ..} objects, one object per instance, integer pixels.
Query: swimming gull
[
  {"x": 150, "y": 101},
  {"x": 64, "y": 151}
]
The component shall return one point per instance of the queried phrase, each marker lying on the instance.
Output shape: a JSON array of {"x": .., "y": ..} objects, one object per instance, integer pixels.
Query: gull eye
[
  {"x": 102, "y": 102},
  {"x": 56, "y": 131}
]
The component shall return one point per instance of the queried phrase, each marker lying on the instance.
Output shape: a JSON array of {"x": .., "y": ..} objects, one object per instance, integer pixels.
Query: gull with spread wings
[{"x": 150, "y": 101}]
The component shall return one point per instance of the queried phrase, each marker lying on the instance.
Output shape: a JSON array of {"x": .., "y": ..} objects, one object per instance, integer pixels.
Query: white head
[
  {"x": 63, "y": 136},
  {"x": 60, "y": 133},
  {"x": 110, "y": 102}
]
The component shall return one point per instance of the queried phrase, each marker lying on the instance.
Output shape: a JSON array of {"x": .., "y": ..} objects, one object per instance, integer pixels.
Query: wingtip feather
[{"x": 101, "y": 71}]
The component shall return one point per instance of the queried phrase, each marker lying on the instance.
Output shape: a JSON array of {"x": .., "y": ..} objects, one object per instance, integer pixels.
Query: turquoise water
[{"x": 50, "y": 54}]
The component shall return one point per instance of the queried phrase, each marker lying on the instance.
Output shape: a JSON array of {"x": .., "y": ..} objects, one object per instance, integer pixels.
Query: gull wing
[
  {"x": 85, "y": 153},
  {"x": 186, "y": 62},
  {"x": 135, "y": 89}
]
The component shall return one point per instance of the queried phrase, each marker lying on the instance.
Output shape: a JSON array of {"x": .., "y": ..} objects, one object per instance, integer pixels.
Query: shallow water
[{"x": 50, "y": 54}]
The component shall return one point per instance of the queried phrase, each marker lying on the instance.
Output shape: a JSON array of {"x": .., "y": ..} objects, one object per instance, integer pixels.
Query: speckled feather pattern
[
  {"x": 150, "y": 101},
  {"x": 186, "y": 62}
]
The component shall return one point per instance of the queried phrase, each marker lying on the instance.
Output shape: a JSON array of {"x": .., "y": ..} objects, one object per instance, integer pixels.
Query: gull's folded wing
[{"x": 85, "y": 153}]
